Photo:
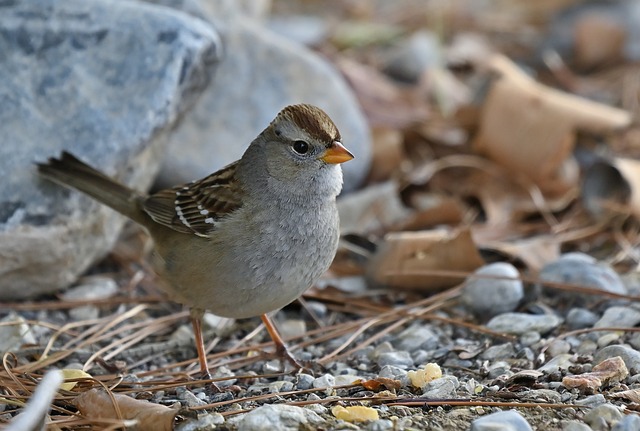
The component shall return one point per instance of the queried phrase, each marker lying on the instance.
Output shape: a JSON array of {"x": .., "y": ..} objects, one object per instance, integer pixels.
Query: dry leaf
[
  {"x": 599, "y": 40},
  {"x": 612, "y": 188},
  {"x": 97, "y": 403},
  {"x": 407, "y": 260},
  {"x": 530, "y": 128},
  {"x": 380, "y": 383},
  {"x": 355, "y": 413},
  {"x": 388, "y": 153},
  {"x": 534, "y": 252},
  {"x": 70, "y": 374}
]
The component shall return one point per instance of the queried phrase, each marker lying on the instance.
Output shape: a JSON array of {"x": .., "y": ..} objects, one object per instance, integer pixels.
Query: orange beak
[{"x": 336, "y": 153}]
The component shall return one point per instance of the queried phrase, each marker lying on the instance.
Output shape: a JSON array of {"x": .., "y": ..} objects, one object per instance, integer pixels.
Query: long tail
[{"x": 72, "y": 172}]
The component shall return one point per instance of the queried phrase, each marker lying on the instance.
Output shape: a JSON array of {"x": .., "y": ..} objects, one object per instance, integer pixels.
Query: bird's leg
[
  {"x": 281, "y": 348},
  {"x": 196, "y": 321}
]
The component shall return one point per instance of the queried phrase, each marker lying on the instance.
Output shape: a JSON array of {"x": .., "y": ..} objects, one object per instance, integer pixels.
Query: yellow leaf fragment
[
  {"x": 355, "y": 413},
  {"x": 69, "y": 374},
  {"x": 421, "y": 377}
]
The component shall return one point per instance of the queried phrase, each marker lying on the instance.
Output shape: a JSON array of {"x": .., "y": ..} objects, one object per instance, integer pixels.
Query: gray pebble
[
  {"x": 324, "y": 381},
  {"x": 209, "y": 421},
  {"x": 624, "y": 317},
  {"x": 508, "y": 420},
  {"x": 607, "y": 413},
  {"x": 592, "y": 401},
  {"x": 305, "y": 381},
  {"x": 581, "y": 269},
  {"x": 519, "y": 323},
  {"x": 499, "y": 368},
  {"x": 628, "y": 423},
  {"x": 487, "y": 296},
  {"x": 630, "y": 356},
  {"x": 442, "y": 388},
  {"x": 417, "y": 336},
  {"x": 607, "y": 338},
  {"x": 560, "y": 362},
  {"x": 500, "y": 351},
  {"x": 279, "y": 417},
  {"x": 558, "y": 347},
  {"x": 578, "y": 318},
  {"x": 400, "y": 358},
  {"x": 380, "y": 425},
  {"x": 530, "y": 338},
  {"x": 396, "y": 373},
  {"x": 575, "y": 426}
]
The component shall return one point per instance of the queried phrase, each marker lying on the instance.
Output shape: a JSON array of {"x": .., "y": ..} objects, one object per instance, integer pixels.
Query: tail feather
[{"x": 69, "y": 171}]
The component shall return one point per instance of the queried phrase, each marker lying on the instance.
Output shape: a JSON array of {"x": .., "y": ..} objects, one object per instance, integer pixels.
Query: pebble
[
  {"x": 189, "y": 398},
  {"x": 92, "y": 288},
  {"x": 305, "y": 381},
  {"x": 623, "y": 317},
  {"x": 508, "y": 420},
  {"x": 395, "y": 373},
  {"x": 499, "y": 368},
  {"x": 592, "y": 401},
  {"x": 578, "y": 318},
  {"x": 346, "y": 379},
  {"x": 380, "y": 425},
  {"x": 603, "y": 416},
  {"x": 558, "y": 347},
  {"x": 584, "y": 270},
  {"x": 530, "y": 338},
  {"x": 500, "y": 351},
  {"x": 400, "y": 359},
  {"x": 607, "y": 338},
  {"x": 630, "y": 356},
  {"x": 207, "y": 421},
  {"x": 292, "y": 328},
  {"x": 575, "y": 426},
  {"x": 14, "y": 336},
  {"x": 417, "y": 336},
  {"x": 628, "y": 423},
  {"x": 324, "y": 381},
  {"x": 442, "y": 388},
  {"x": 560, "y": 362},
  {"x": 408, "y": 60},
  {"x": 487, "y": 296},
  {"x": 279, "y": 417},
  {"x": 520, "y": 323}
]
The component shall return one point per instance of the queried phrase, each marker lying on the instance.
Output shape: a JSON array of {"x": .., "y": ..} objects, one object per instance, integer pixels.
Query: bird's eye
[{"x": 301, "y": 147}]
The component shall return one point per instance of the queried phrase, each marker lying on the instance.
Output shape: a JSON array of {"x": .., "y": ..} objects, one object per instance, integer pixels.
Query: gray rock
[
  {"x": 607, "y": 413},
  {"x": 412, "y": 57},
  {"x": 90, "y": 288},
  {"x": 415, "y": 337},
  {"x": 578, "y": 318},
  {"x": 442, "y": 388},
  {"x": 509, "y": 420},
  {"x": 306, "y": 29},
  {"x": 324, "y": 381},
  {"x": 396, "y": 373},
  {"x": 582, "y": 270},
  {"x": 592, "y": 401},
  {"x": 560, "y": 362},
  {"x": 623, "y": 317},
  {"x": 380, "y": 425},
  {"x": 270, "y": 417},
  {"x": 104, "y": 80},
  {"x": 499, "y": 351},
  {"x": 400, "y": 359},
  {"x": 209, "y": 421},
  {"x": 260, "y": 74},
  {"x": 575, "y": 426},
  {"x": 628, "y": 423},
  {"x": 16, "y": 334},
  {"x": 630, "y": 356},
  {"x": 487, "y": 296},
  {"x": 305, "y": 381},
  {"x": 558, "y": 347},
  {"x": 520, "y": 323}
]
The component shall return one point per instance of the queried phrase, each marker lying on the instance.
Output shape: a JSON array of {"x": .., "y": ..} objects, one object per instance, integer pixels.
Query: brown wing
[{"x": 196, "y": 207}]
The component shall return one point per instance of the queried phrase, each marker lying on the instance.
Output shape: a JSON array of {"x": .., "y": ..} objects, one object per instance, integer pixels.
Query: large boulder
[
  {"x": 104, "y": 80},
  {"x": 260, "y": 74}
]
